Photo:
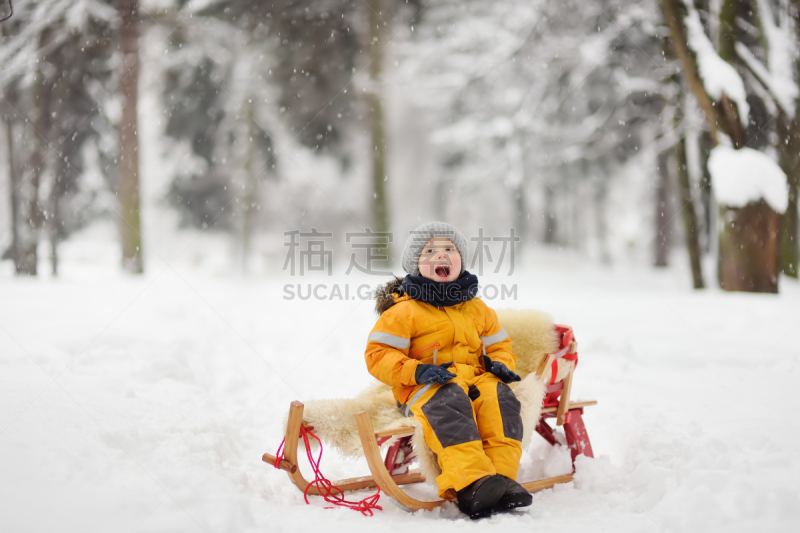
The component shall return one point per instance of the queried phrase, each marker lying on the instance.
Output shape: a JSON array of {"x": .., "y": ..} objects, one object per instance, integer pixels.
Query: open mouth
[{"x": 442, "y": 271}]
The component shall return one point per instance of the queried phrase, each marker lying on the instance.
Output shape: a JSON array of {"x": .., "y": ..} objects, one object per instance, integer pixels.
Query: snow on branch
[
  {"x": 739, "y": 177},
  {"x": 778, "y": 29},
  {"x": 718, "y": 76},
  {"x": 782, "y": 90},
  {"x": 21, "y": 51}
]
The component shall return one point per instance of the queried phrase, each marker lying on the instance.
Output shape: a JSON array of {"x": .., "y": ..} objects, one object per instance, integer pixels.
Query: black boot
[
  {"x": 515, "y": 496},
  {"x": 479, "y": 497}
]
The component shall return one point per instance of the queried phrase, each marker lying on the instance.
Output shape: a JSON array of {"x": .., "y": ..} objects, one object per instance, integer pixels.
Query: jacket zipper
[{"x": 435, "y": 347}]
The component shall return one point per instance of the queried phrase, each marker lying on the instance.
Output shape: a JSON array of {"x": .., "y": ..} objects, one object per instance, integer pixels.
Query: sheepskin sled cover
[{"x": 533, "y": 335}]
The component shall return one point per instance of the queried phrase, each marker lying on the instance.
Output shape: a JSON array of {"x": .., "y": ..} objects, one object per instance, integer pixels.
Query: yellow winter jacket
[{"x": 410, "y": 332}]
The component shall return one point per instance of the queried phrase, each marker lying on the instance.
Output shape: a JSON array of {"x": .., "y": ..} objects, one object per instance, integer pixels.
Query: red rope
[
  {"x": 330, "y": 492},
  {"x": 279, "y": 455}
]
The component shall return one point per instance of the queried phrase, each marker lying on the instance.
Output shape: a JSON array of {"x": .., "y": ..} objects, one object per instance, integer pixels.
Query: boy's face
[{"x": 440, "y": 260}]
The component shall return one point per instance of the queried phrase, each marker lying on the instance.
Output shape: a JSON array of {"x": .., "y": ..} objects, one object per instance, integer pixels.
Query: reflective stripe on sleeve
[
  {"x": 494, "y": 339},
  {"x": 387, "y": 338}
]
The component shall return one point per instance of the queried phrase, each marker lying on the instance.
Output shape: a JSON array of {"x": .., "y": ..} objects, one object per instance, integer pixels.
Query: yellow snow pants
[{"x": 472, "y": 425}]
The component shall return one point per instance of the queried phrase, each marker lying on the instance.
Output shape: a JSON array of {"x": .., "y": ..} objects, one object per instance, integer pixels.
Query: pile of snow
[
  {"x": 717, "y": 74},
  {"x": 740, "y": 177}
]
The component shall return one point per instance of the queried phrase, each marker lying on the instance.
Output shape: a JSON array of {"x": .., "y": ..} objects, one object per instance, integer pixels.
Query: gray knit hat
[{"x": 422, "y": 234}]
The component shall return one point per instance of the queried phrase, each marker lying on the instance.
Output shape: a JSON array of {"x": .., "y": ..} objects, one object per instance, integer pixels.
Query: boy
[{"x": 448, "y": 361}]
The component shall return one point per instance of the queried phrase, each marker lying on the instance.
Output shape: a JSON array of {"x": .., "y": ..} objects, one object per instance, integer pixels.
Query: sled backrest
[{"x": 556, "y": 371}]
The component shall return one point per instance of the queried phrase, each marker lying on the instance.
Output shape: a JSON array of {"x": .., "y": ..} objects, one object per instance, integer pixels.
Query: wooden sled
[{"x": 393, "y": 471}]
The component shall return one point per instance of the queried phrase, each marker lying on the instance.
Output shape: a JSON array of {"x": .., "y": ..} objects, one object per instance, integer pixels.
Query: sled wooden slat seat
[
  {"x": 572, "y": 405},
  {"x": 397, "y": 432}
]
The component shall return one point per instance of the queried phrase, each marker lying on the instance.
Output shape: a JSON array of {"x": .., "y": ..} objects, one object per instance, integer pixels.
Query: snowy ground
[{"x": 145, "y": 404}]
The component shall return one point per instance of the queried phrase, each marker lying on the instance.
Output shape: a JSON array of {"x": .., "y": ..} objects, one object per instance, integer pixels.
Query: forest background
[{"x": 646, "y": 132}]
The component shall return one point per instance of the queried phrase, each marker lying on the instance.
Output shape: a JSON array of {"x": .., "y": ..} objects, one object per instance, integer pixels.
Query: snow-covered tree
[
  {"x": 772, "y": 59},
  {"x": 291, "y": 65},
  {"x": 56, "y": 82},
  {"x": 735, "y": 89},
  {"x": 541, "y": 103},
  {"x": 221, "y": 108}
]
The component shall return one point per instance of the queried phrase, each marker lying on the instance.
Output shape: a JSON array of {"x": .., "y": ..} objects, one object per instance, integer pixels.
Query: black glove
[
  {"x": 433, "y": 374},
  {"x": 500, "y": 370}
]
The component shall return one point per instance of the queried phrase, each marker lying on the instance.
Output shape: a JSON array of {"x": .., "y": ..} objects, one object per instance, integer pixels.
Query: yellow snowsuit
[{"x": 473, "y": 422}]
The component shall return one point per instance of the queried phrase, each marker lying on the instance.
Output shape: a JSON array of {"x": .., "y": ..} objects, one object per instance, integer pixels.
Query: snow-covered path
[{"x": 145, "y": 404}]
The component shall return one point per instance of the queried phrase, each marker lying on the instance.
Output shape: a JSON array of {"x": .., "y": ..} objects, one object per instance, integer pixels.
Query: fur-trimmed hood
[{"x": 385, "y": 295}]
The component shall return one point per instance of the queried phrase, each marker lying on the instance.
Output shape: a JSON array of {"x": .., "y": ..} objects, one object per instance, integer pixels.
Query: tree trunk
[
  {"x": 601, "y": 204},
  {"x": 748, "y": 261},
  {"x": 128, "y": 186},
  {"x": 550, "y": 223},
  {"x": 441, "y": 196},
  {"x": 662, "y": 214},
  {"x": 380, "y": 210},
  {"x": 8, "y": 120},
  {"x": 520, "y": 221},
  {"x": 30, "y": 216},
  {"x": 250, "y": 194},
  {"x": 705, "y": 188},
  {"x": 728, "y": 34},
  {"x": 55, "y": 220},
  {"x": 789, "y": 160},
  {"x": 516, "y": 182},
  {"x": 722, "y": 114},
  {"x": 674, "y": 13},
  {"x": 689, "y": 215}
]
